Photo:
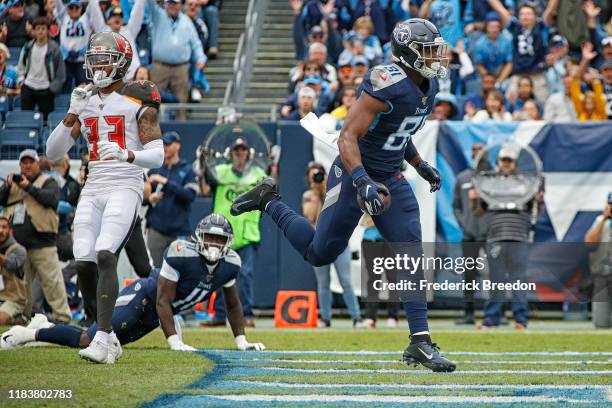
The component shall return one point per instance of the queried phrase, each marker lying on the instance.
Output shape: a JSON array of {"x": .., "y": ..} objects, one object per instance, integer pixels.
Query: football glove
[
  {"x": 368, "y": 191},
  {"x": 430, "y": 174},
  {"x": 242, "y": 344},
  {"x": 111, "y": 150},
  {"x": 177, "y": 345},
  {"x": 79, "y": 99}
]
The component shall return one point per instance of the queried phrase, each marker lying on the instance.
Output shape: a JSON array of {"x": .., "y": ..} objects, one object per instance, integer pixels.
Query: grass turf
[{"x": 148, "y": 369}]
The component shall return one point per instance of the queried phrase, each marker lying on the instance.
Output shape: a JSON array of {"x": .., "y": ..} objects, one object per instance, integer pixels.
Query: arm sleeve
[
  {"x": 136, "y": 18},
  {"x": 600, "y": 99},
  {"x": 151, "y": 157},
  {"x": 47, "y": 195},
  {"x": 15, "y": 260},
  {"x": 59, "y": 142},
  {"x": 95, "y": 16},
  {"x": 411, "y": 151},
  {"x": 576, "y": 95}
]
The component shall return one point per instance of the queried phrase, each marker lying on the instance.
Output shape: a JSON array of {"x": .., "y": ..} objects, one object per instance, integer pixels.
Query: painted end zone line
[
  {"x": 269, "y": 353},
  {"x": 255, "y": 361},
  {"x": 390, "y": 399},
  {"x": 262, "y": 370},
  {"x": 518, "y": 387}
]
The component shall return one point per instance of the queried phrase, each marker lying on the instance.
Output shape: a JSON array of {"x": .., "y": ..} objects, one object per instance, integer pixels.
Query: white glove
[
  {"x": 79, "y": 99},
  {"x": 177, "y": 345},
  {"x": 242, "y": 344},
  {"x": 111, "y": 150}
]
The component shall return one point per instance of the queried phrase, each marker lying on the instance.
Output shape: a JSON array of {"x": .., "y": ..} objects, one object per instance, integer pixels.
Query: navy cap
[
  {"x": 492, "y": 16},
  {"x": 558, "y": 41},
  {"x": 316, "y": 30},
  {"x": 312, "y": 80},
  {"x": 73, "y": 3},
  {"x": 171, "y": 137},
  {"x": 240, "y": 142}
]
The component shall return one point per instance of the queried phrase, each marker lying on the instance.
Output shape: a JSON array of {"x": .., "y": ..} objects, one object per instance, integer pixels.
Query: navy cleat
[
  {"x": 256, "y": 198},
  {"x": 427, "y": 354}
]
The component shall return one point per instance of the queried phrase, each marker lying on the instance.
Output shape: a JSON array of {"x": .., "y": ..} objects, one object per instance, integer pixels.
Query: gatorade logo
[{"x": 295, "y": 309}]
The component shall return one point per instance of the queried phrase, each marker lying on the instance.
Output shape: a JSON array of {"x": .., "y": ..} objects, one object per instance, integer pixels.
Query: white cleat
[
  {"x": 17, "y": 336},
  {"x": 97, "y": 352},
  {"x": 114, "y": 349},
  {"x": 39, "y": 321}
]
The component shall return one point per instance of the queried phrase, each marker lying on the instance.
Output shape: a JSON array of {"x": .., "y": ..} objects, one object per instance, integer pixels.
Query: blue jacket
[{"x": 170, "y": 216}]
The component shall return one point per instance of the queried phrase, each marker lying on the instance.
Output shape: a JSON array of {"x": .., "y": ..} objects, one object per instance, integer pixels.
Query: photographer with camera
[
  {"x": 312, "y": 205},
  {"x": 600, "y": 236},
  {"x": 232, "y": 179},
  {"x": 30, "y": 200}
]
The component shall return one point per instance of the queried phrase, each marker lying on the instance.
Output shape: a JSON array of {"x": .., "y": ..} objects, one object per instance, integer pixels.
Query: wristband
[
  {"x": 358, "y": 172},
  {"x": 174, "y": 340}
]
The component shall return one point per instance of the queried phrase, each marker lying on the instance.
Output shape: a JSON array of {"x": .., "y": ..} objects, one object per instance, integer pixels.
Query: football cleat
[
  {"x": 97, "y": 352},
  {"x": 256, "y": 198},
  {"x": 17, "y": 336},
  {"x": 115, "y": 351},
  {"x": 429, "y": 356},
  {"x": 39, "y": 321}
]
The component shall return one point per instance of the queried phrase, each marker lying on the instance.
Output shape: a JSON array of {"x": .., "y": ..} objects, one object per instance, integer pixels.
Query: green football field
[{"x": 550, "y": 365}]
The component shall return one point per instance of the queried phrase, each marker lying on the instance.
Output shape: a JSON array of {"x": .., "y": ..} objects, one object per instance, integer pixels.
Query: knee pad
[{"x": 106, "y": 260}]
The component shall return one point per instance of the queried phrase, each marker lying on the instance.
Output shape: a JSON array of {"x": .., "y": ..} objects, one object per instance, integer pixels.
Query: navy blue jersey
[
  {"x": 196, "y": 280},
  {"x": 382, "y": 147},
  {"x": 529, "y": 47}
]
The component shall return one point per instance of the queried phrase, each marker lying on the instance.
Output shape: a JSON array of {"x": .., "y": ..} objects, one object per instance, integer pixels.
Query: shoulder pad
[
  {"x": 383, "y": 76},
  {"x": 181, "y": 249},
  {"x": 233, "y": 258},
  {"x": 143, "y": 92}
]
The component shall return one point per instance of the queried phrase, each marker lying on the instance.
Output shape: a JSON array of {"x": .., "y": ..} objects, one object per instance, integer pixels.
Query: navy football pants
[{"x": 338, "y": 219}]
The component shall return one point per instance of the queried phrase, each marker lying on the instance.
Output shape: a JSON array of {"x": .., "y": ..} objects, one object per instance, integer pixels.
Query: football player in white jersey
[{"x": 119, "y": 121}]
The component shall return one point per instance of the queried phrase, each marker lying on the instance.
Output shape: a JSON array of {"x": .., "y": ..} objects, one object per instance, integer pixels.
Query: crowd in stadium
[
  {"x": 523, "y": 60},
  {"x": 43, "y": 45}
]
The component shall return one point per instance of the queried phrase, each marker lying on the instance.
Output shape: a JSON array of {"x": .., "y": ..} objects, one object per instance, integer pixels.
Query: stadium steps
[
  {"x": 275, "y": 57},
  {"x": 220, "y": 70}
]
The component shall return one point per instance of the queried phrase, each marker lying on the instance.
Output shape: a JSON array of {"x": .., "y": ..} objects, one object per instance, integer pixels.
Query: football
[{"x": 386, "y": 200}]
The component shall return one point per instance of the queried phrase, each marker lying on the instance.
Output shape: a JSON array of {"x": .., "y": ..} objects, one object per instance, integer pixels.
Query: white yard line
[
  {"x": 394, "y": 399},
  {"x": 392, "y": 353},
  {"x": 460, "y": 362},
  {"x": 409, "y": 372},
  {"x": 518, "y": 387}
]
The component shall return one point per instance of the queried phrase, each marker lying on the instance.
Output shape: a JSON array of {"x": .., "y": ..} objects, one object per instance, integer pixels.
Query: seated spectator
[
  {"x": 446, "y": 15},
  {"x": 41, "y": 70},
  {"x": 528, "y": 43},
  {"x": 210, "y": 14},
  {"x": 74, "y": 39},
  {"x": 323, "y": 94},
  {"x": 559, "y": 106},
  {"x": 114, "y": 21},
  {"x": 15, "y": 28},
  {"x": 364, "y": 29},
  {"x": 556, "y": 61},
  {"x": 606, "y": 73},
  {"x": 8, "y": 74},
  {"x": 475, "y": 102},
  {"x": 493, "y": 52},
  {"x": 525, "y": 92},
  {"x": 310, "y": 68},
  {"x": 494, "y": 109},
  {"x": 347, "y": 96},
  {"x": 589, "y": 105},
  {"x": 306, "y": 103},
  {"x": 529, "y": 111},
  {"x": 352, "y": 47},
  {"x": 13, "y": 296},
  {"x": 346, "y": 74},
  {"x": 317, "y": 53},
  {"x": 445, "y": 107},
  {"x": 360, "y": 68}
]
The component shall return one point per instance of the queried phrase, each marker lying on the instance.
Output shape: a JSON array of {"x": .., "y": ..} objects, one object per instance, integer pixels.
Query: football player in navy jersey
[
  {"x": 375, "y": 140},
  {"x": 190, "y": 273}
]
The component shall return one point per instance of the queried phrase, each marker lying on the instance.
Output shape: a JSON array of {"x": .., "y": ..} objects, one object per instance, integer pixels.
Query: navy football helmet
[
  {"x": 213, "y": 237},
  {"x": 417, "y": 44}
]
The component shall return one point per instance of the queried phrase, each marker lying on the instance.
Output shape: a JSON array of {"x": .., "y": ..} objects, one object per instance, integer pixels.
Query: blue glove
[
  {"x": 368, "y": 190},
  {"x": 430, "y": 174}
]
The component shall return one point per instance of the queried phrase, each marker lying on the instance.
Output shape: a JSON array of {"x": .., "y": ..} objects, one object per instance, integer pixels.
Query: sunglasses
[
  {"x": 506, "y": 159},
  {"x": 346, "y": 70}
]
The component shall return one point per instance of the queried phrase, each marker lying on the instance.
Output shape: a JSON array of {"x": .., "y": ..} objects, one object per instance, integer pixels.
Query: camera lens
[{"x": 318, "y": 176}]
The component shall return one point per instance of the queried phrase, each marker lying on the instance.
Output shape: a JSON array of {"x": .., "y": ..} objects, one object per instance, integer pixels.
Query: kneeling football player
[{"x": 190, "y": 273}]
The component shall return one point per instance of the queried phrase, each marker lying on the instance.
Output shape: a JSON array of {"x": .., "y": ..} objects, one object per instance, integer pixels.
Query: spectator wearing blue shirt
[
  {"x": 446, "y": 15},
  {"x": 529, "y": 43},
  {"x": 556, "y": 61},
  {"x": 173, "y": 188},
  {"x": 8, "y": 74},
  {"x": 175, "y": 44},
  {"x": 493, "y": 52}
]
